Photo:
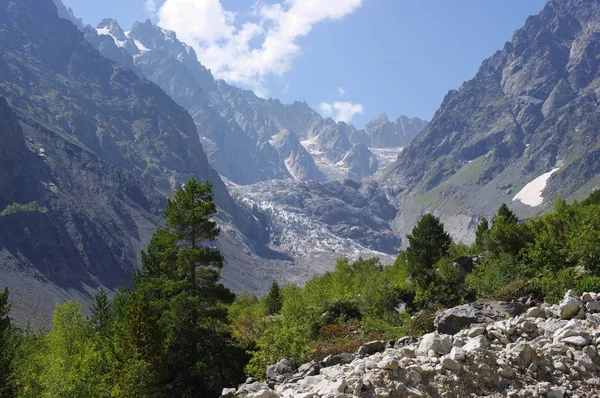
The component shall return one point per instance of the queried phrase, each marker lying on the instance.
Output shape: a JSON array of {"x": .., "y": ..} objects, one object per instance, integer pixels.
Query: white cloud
[
  {"x": 340, "y": 91},
  {"x": 150, "y": 6},
  {"x": 341, "y": 111},
  {"x": 252, "y": 51}
]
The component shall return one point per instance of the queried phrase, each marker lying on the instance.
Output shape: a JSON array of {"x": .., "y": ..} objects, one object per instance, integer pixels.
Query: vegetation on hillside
[
  {"x": 22, "y": 208},
  {"x": 180, "y": 333}
]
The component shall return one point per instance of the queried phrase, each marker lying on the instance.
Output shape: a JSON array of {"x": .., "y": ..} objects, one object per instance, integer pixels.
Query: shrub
[{"x": 589, "y": 283}]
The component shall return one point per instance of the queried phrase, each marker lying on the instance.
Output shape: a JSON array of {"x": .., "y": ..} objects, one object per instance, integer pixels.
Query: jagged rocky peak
[
  {"x": 67, "y": 13},
  {"x": 360, "y": 162},
  {"x": 384, "y": 134},
  {"x": 112, "y": 28},
  {"x": 298, "y": 161}
]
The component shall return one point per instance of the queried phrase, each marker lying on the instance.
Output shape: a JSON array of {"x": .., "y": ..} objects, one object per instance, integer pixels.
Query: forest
[{"x": 180, "y": 333}]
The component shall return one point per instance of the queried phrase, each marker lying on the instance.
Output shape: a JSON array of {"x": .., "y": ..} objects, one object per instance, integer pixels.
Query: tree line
[{"x": 180, "y": 333}]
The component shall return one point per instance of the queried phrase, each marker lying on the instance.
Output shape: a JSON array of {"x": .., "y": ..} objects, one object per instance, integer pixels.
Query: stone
[
  {"x": 528, "y": 327},
  {"x": 476, "y": 344},
  {"x": 569, "y": 307},
  {"x": 586, "y": 297},
  {"x": 265, "y": 394},
  {"x": 558, "y": 392},
  {"x": 476, "y": 331},
  {"x": 560, "y": 366},
  {"x": 455, "y": 319},
  {"x": 579, "y": 341},
  {"x": 450, "y": 364},
  {"x": 308, "y": 369},
  {"x": 228, "y": 393},
  {"x": 521, "y": 354},
  {"x": 543, "y": 387},
  {"x": 285, "y": 367},
  {"x": 458, "y": 354},
  {"x": 332, "y": 360},
  {"x": 593, "y": 306},
  {"x": 372, "y": 347},
  {"x": 388, "y": 364},
  {"x": 439, "y": 343},
  {"x": 536, "y": 312}
]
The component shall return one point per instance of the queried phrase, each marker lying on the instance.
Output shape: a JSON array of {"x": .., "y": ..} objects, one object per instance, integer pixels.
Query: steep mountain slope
[
  {"x": 93, "y": 219},
  {"x": 102, "y": 148},
  {"x": 531, "y": 108},
  {"x": 236, "y": 127}
]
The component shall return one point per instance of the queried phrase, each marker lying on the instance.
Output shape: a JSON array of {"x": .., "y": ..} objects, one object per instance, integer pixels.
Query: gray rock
[
  {"x": 283, "y": 368},
  {"x": 557, "y": 392},
  {"x": 453, "y": 320},
  {"x": 371, "y": 348},
  {"x": 569, "y": 307},
  {"x": 332, "y": 360},
  {"x": 439, "y": 343},
  {"x": 476, "y": 344},
  {"x": 593, "y": 306},
  {"x": 228, "y": 393}
]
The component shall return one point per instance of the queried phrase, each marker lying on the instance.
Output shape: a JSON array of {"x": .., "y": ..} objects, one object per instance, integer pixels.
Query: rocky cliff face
[
  {"x": 549, "y": 351},
  {"x": 382, "y": 133},
  {"x": 531, "y": 108}
]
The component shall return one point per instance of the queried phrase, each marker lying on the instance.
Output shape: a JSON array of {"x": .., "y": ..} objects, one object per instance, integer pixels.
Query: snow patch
[
  {"x": 531, "y": 194},
  {"x": 106, "y": 32},
  {"x": 386, "y": 156},
  {"x": 141, "y": 47}
]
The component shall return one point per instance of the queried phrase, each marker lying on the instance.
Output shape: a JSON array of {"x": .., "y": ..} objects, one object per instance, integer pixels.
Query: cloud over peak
[
  {"x": 341, "y": 111},
  {"x": 248, "y": 53}
]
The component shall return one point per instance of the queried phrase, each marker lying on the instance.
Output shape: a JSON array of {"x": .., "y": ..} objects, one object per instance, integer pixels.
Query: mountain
[
  {"x": 92, "y": 149},
  {"x": 382, "y": 133},
  {"x": 523, "y": 131},
  {"x": 236, "y": 127}
]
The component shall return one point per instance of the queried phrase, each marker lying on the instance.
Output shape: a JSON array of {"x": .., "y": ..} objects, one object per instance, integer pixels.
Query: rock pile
[{"x": 549, "y": 351}]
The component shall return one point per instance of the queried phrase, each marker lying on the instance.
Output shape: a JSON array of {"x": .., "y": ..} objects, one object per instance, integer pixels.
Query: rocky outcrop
[
  {"x": 530, "y": 355},
  {"x": 455, "y": 319},
  {"x": 296, "y": 158},
  {"x": 382, "y": 133},
  {"x": 531, "y": 108}
]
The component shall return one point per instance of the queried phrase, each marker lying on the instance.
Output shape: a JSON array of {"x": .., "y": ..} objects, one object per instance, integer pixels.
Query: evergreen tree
[
  {"x": 429, "y": 242},
  {"x": 100, "y": 310},
  {"x": 274, "y": 300},
  {"x": 178, "y": 321},
  {"x": 481, "y": 234},
  {"x": 507, "y": 214}
]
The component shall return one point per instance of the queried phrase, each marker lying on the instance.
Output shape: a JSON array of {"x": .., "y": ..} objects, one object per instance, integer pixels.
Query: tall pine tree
[{"x": 179, "y": 322}]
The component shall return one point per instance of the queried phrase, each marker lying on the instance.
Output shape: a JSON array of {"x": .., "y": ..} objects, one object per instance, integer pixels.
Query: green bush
[
  {"x": 19, "y": 208},
  {"x": 589, "y": 283}
]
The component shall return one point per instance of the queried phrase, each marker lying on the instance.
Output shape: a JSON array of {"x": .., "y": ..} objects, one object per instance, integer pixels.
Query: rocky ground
[{"x": 546, "y": 351}]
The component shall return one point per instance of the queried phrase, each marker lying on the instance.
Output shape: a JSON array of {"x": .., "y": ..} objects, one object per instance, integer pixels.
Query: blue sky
[{"x": 394, "y": 56}]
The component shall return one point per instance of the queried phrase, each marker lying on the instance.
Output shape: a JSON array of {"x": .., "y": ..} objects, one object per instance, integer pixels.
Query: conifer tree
[
  {"x": 481, "y": 234},
  {"x": 274, "y": 300},
  {"x": 178, "y": 323},
  {"x": 429, "y": 242},
  {"x": 100, "y": 310}
]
